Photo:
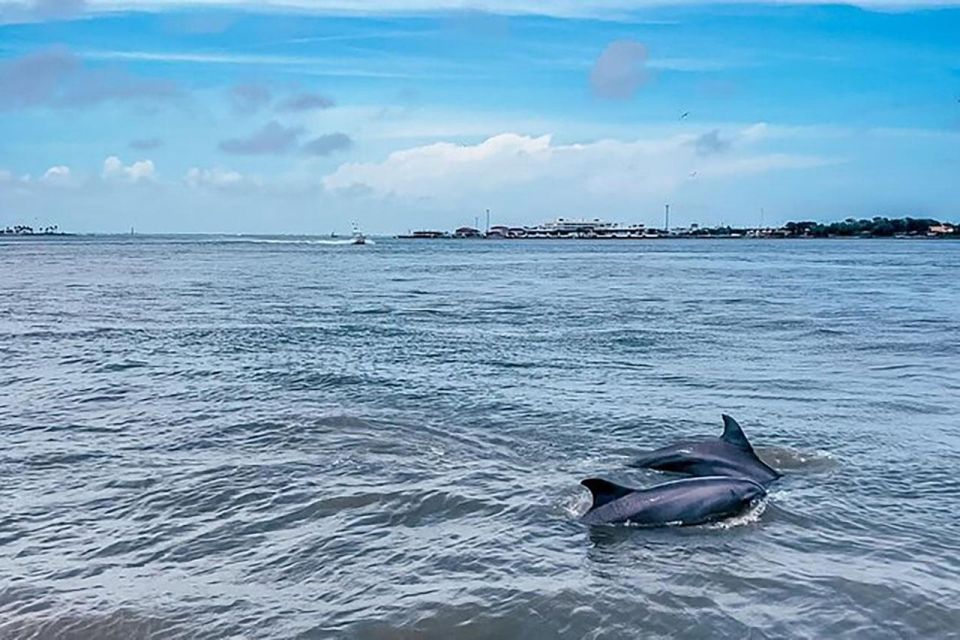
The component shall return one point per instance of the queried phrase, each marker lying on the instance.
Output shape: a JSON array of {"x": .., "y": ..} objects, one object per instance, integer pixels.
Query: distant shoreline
[
  {"x": 597, "y": 229},
  {"x": 211, "y": 234},
  {"x": 38, "y": 236},
  {"x": 683, "y": 237}
]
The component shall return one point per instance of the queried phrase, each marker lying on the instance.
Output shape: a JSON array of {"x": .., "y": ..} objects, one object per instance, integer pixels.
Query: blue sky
[{"x": 302, "y": 117}]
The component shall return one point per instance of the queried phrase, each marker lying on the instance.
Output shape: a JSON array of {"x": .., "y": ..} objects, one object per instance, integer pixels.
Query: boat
[{"x": 358, "y": 237}]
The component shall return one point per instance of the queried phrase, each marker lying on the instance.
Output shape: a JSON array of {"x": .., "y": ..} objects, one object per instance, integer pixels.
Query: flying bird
[{"x": 684, "y": 115}]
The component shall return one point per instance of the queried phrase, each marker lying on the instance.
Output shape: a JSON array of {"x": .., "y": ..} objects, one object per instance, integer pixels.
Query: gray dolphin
[
  {"x": 681, "y": 502},
  {"x": 730, "y": 455}
]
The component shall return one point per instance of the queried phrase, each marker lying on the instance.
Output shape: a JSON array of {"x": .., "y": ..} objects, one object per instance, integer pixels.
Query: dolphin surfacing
[
  {"x": 730, "y": 455},
  {"x": 690, "y": 501}
]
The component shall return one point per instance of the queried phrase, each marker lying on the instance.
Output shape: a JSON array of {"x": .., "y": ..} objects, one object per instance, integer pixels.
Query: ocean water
[{"x": 210, "y": 437}]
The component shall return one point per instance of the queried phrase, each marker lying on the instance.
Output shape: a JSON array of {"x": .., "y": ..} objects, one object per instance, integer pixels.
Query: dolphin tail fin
[
  {"x": 604, "y": 491},
  {"x": 733, "y": 434}
]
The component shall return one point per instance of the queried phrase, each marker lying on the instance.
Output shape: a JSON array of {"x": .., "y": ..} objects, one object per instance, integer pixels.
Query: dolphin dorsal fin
[
  {"x": 604, "y": 491},
  {"x": 733, "y": 434}
]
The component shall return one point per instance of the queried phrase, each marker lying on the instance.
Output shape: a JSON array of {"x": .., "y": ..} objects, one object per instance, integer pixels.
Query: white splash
[{"x": 748, "y": 517}]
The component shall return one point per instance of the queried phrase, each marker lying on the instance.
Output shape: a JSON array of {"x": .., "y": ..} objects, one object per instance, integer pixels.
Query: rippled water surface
[{"x": 212, "y": 438}]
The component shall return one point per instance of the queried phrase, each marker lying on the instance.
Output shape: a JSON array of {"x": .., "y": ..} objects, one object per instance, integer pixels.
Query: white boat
[{"x": 358, "y": 237}]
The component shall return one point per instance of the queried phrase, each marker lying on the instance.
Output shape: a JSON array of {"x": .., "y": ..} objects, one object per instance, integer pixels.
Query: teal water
[{"x": 210, "y": 437}]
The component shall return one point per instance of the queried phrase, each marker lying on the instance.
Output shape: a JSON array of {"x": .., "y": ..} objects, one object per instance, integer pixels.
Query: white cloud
[
  {"x": 508, "y": 158},
  {"x": 215, "y": 178},
  {"x": 612, "y": 169},
  {"x": 59, "y": 175},
  {"x": 114, "y": 169}
]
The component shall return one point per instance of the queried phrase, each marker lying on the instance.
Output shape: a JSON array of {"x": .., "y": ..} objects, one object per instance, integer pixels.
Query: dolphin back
[
  {"x": 690, "y": 501},
  {"x": 730, "y": 455},
  {"x": 733, "y": 434},
  {"x": 604, "y": 491}
]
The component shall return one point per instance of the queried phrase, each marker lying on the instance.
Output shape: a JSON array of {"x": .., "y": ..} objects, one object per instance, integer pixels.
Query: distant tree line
[
  {"x": 878, "y": 226},
  {"x": 25, "y": 230}
]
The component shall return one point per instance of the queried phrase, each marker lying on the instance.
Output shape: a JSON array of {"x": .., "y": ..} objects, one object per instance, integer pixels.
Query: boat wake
[
  {"x": 330, "y": 243},
  {"x": 341, "y": 243}
]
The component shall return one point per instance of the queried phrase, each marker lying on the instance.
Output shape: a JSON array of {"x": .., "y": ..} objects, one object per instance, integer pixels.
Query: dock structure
[{"x": 424, "y": 235}]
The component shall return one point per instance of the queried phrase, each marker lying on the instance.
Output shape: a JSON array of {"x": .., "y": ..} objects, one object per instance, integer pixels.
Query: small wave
[
  {"x": 575, "y": 504},
  {"x": 828, "y": 331},
  {"x": 65, "y": 459},
  {"x": 69, "y": 625},
  {"x": 112, "y": 367},
  {"x": 422, "y": 509}
]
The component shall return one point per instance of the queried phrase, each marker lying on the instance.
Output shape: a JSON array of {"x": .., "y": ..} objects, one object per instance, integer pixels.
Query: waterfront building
[
  {"x": 425, "y": 235},
  {"x": 582, "y": 228},
  {"x": 467, "y": 232}
]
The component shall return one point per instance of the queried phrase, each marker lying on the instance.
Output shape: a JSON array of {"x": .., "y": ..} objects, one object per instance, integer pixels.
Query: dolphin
[
  {"x": 683, "y": 502},
  {"x": 731, "y": 455}
]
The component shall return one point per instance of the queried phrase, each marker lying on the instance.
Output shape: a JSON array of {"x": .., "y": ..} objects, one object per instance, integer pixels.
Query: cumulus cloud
[
  {"x": 620, "y": 70},
  {"x": 327, "y": 144},
  {"x": 273, "y": 138},
  {"x": 114, "y": 169},
  {"x": 58, "y": 175},
  {"x": 55, "y": 77},
  {"x": 249, "y": 98},
  {"x": 507, "y": 157},
  {"x": 305, "y": 102},
  {"x": 616, "y": 169},
  {"x": 145, "y": 144}
]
